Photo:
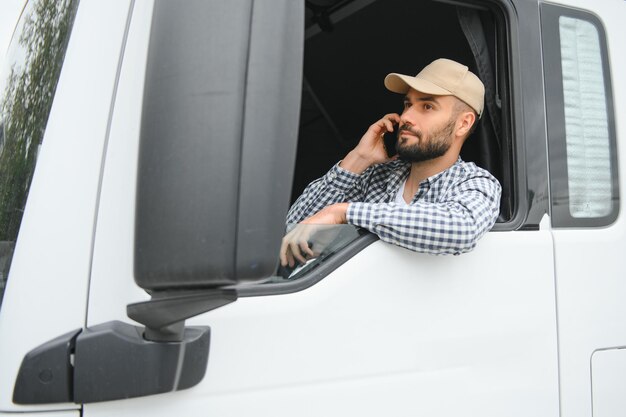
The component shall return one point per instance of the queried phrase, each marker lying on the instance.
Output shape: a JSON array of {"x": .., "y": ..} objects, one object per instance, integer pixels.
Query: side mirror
[{"x": 218, "y": 140}]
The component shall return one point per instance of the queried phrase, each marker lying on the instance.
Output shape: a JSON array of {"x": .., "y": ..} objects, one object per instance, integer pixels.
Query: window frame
[
  {"x": 513, "y": 151},
  {"x": 560, "y": 214},
  {"x": 313, "y": 276}
]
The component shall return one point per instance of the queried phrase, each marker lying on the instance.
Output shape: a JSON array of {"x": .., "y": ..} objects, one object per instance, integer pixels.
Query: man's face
[{"x": 426, "y": 128}]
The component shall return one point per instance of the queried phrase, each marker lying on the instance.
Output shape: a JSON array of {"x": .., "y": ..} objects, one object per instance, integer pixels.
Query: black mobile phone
[{"x": 390, "y": 139}]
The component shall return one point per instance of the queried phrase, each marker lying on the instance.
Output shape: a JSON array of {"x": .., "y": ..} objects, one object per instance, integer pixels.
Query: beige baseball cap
[{"x": 442, "y": 77}]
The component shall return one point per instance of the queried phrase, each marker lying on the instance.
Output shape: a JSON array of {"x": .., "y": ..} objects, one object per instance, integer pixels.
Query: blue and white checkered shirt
[{"x": 449, "y": 213}]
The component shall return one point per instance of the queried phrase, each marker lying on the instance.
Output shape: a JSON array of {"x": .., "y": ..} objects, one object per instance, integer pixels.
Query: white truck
[{"x": 149, "y": 151}]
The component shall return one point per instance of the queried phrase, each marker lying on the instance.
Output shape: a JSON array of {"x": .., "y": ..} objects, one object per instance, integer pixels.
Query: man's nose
[{"x": 408, "y": 117}]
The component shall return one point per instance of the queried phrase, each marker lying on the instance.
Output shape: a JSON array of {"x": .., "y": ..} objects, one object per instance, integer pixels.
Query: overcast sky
[{"x": 9, "y": 13}]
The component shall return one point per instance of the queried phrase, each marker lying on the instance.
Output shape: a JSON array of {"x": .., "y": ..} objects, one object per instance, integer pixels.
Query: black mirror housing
[{"x": 218, "y": 140}]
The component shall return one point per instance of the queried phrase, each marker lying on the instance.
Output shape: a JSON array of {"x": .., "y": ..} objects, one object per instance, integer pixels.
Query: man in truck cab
[{"x": 425, "y": 198}]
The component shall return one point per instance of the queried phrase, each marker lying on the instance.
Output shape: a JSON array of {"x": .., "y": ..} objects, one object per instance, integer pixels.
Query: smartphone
[{"x": 390, "y": 139}]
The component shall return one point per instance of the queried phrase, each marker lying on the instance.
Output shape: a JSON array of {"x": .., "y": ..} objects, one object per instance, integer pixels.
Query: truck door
[
  {"x": 370, "y": 329},
  {"x": 585, "y": 90}
]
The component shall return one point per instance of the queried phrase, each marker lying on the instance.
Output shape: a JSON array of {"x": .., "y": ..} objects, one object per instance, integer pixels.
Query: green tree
[{"x": 26, "y": 103}]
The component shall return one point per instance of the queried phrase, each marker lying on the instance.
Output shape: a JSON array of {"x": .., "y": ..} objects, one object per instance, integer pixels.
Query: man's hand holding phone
[{"x": 371, "y": 148}]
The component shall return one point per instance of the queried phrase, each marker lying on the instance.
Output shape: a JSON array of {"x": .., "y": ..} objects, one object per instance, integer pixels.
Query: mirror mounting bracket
[{"x": 165, "y": 313}]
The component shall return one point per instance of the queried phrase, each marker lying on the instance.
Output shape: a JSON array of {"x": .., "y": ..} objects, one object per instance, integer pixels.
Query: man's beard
[{"x": 437, "y": 143}]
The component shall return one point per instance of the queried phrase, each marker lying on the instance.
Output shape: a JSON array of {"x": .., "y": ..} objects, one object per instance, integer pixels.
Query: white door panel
[
  {"x": 608, "y": 382},
  {"x": 591, "y": 284},
  {"x": 391, "y": 321},
  {"x": 390, "y": 330}
]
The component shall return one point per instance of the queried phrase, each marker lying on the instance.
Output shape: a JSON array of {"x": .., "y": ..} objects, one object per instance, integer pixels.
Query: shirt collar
[
  {"x": 434, "y": 178},
  {"x": 401, "y": 170}
]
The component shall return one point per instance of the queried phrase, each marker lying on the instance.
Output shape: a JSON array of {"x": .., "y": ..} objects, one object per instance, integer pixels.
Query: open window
[
  {"x": 351, "y": 45},
  {"x": 349, "y": 48}
]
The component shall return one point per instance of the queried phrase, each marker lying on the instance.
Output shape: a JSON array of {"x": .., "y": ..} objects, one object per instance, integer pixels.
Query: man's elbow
[
  {"x": 458, "y": 248},
  {"x": 475, "y": 232},
  {"x": 463, "y": 241}
]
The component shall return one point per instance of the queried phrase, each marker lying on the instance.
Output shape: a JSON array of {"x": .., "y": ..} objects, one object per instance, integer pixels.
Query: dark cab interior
[{"x": 350, "y": 45}]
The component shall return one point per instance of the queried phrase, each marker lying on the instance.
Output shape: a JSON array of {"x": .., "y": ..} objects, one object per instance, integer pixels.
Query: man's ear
[{"x": 465, "y": 121}]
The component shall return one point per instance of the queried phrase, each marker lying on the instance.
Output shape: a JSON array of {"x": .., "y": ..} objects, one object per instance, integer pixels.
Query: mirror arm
[{"x": 165, "y": 313}]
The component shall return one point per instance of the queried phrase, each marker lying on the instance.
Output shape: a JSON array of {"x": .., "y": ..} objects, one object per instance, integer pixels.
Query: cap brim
[{"x": 399, "y": 83}]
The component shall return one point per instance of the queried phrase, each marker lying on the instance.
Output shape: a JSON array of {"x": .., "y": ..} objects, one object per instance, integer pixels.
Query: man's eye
[
  {"x": 428, "y": 106},
  {"x": 407, "y": 104}
]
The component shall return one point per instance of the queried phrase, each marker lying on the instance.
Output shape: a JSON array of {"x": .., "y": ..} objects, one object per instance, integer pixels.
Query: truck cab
[{"x": 150, "y": 150}]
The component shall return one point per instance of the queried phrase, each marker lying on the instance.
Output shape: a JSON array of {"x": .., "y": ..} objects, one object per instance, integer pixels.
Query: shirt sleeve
[
  {"x": 452, "y": 226},
  {"x": 337, "y": 186}
]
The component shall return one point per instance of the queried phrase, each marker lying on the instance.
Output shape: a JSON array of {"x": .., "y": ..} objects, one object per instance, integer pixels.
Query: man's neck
[{"x": 425, "y": 169}]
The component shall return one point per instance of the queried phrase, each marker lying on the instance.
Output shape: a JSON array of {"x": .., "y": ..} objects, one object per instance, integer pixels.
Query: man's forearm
[
  {"x": 449, "y": 227},
  {"x": 332, "y": 214},
  {"x": 435, "y": 231},
  {"x": 337, "y": 186},
  {"x": 355, "y": 163}
]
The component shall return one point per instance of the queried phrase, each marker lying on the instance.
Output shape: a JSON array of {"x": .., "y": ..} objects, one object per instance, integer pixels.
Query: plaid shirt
[{"x": 449, "y": 213}]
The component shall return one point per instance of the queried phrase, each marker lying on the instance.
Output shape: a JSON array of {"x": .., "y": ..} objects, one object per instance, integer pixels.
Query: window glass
[
  {"x": 584, "y": 185},
  {"x": 27, "y": 85},
  {"x": 324, "y": 241},
  {"x": 586, "y": 121},
  {"x": 332, "y": 245}
]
